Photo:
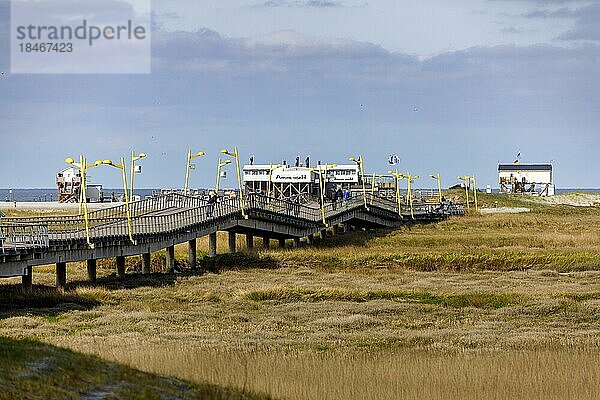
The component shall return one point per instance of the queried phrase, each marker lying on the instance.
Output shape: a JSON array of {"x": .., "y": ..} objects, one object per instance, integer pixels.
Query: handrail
[
  {"x": 173, "y": 212},
  {"x": 16, "y": 237}
]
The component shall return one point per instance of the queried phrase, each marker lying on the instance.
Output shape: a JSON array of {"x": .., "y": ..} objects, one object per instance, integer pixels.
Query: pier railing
[
  {"x": 173, "y": 212},
  {"x": 15, "y": 238}
]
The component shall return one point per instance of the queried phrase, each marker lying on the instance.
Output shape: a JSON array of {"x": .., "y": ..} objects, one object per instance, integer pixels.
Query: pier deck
[{"x": 162, "y": 222}]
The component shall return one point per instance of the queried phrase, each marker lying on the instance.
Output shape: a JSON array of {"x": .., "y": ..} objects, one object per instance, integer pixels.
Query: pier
[{"x": 161, "y": 222}]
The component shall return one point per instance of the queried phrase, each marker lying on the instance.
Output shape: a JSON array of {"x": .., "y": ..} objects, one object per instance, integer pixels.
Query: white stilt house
[
  {"x": 296, "y": 184},
  {"x": 68, "y": 183},
  {"x": 533, "y": 179}
]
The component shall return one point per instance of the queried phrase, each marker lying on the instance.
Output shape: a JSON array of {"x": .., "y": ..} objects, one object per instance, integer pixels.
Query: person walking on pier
[
  {"x": 339, "y": 195},
  {"x": 210, "y": 204},
  {"x": 332, "y": 197},
  {"x": 347, "y": 196}
]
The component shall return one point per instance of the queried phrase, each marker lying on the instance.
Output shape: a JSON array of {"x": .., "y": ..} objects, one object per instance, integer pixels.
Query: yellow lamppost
[
  {"x": 134, "y": 158},
  {"x": 466, "y": 180},
  {"x": 219, "y": 166},
  {"x": 322, "y": 182},
  {"x": 360, "y": 163},
  {"x": 270, "y": 183},
  {"x": 127, "y": 197},
  {"x": 439, "y": 184},
  {"x": 475, "y": 192},
  {"x": 82, "y": 165},
  {"x": 398, "y": 177},
  {"x": 236, "y": 155},
  {"x": 190, "y": 157},
  {"x": 373, "y": 182},
  {"x": 411, "y": 178}
]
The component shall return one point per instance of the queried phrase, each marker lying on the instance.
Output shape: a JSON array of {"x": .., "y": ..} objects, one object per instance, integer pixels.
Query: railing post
[
  {"x": 310, "y": 239},
  {"x": 192, "y": 253},
  {"x": 336, "y": 229},
  {"x": 120, "y": 266},
  {"x": 212, "y": 244},
  {"x": 61, "y": 275},
  {"x": 91, "y": 270},
  {"x": 170, "y": 258},
  {"x": 27, "y": 279},
  {"x": 232, "y": 242},
  {"x": 249, "y": 241},
  {"x": 146, "y": 263}
]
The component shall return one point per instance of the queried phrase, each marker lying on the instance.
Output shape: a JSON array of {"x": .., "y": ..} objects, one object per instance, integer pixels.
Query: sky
[{"x": 449, "y": 86}]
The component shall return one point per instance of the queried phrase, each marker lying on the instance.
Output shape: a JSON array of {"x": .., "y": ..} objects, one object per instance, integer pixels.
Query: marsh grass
[
  {"x": 34, "y": 370},
  {"x": 294, "y": 375},
  {"x": 478, "y": 299},
  {"x": 14, "y": 297},
  {"x": 483, "y": 306},
  {"x": 562, "y": 242}
]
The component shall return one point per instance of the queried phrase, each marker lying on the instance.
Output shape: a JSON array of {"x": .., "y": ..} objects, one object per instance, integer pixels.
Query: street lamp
[
  {"x": 270, "y": 183},
  {"x": 219, "y": 166},
  {"x": 190, "y": 157},
  {"x": 134, "y": 158},
  {"x": 360, "y": 163},
  {"x": 467, "y": 180},
  {"x": 410, "y": 178},
  {"x": 322, "y": 181},
  {"x": 83, "y": 166},
  {"x": 439, "y": 183},
  {"x": 398, "y": 176},
  {"x": 475, "y": 192},
  {"x": 236, "y": 155},
  {"x": 127, "y": 197},
  {"x": 373, "y": 182}
]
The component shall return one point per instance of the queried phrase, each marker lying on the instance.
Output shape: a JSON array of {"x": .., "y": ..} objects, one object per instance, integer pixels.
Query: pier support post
[
  {"x": 120, "y": 266},
  {"x": 170, "y": 258},
  {"x": 323, "y": 234},
  {"x": 212, "y": 244},
  {"x": 232, "y": 242},
  {"x": 192, "y": 254},
  {"x": 265, "y": 243},
  {"x": 296, "y": 242},
  {"x": 61, "y": 275},
  {"x": 27, "y": 280},
  {"x": 249, "y": 241},
  {"x": 91, "y": 270},
  {"x": 146, "y": 263},
  {"x": 310, "y": 239},
  {"x": 282, "y": 243}
]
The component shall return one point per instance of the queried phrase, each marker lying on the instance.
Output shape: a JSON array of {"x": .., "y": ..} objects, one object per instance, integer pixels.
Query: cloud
[
  {"x": 587, "y": 25},
  {"x": 287, "y": 53},
  {"x": 280, "y": 52},
  {"x": 512, "y": 30},
  {"x": 312, "y": 3},
  {"x": 586, "y": 21},
  {"x": 543, "y": 2}
]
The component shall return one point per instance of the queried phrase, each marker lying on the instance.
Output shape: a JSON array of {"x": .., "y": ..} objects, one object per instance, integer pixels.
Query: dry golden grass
[
  {"x": 547, "y": 375},
  {"x": 494, "y": 306}
]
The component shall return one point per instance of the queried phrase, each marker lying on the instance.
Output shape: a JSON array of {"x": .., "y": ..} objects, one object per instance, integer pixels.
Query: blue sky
[{"x": 453, "y": 87}]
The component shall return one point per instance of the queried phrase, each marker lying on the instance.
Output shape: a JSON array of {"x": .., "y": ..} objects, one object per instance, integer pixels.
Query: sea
[{"x": 49, "y": 195}]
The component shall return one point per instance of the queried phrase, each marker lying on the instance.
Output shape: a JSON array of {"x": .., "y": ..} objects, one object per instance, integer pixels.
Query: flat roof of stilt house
[{"x": 524, "y": 167}]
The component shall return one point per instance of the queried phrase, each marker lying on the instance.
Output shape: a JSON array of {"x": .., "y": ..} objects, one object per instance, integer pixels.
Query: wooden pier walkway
[{"x": 162, "y": 222}]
